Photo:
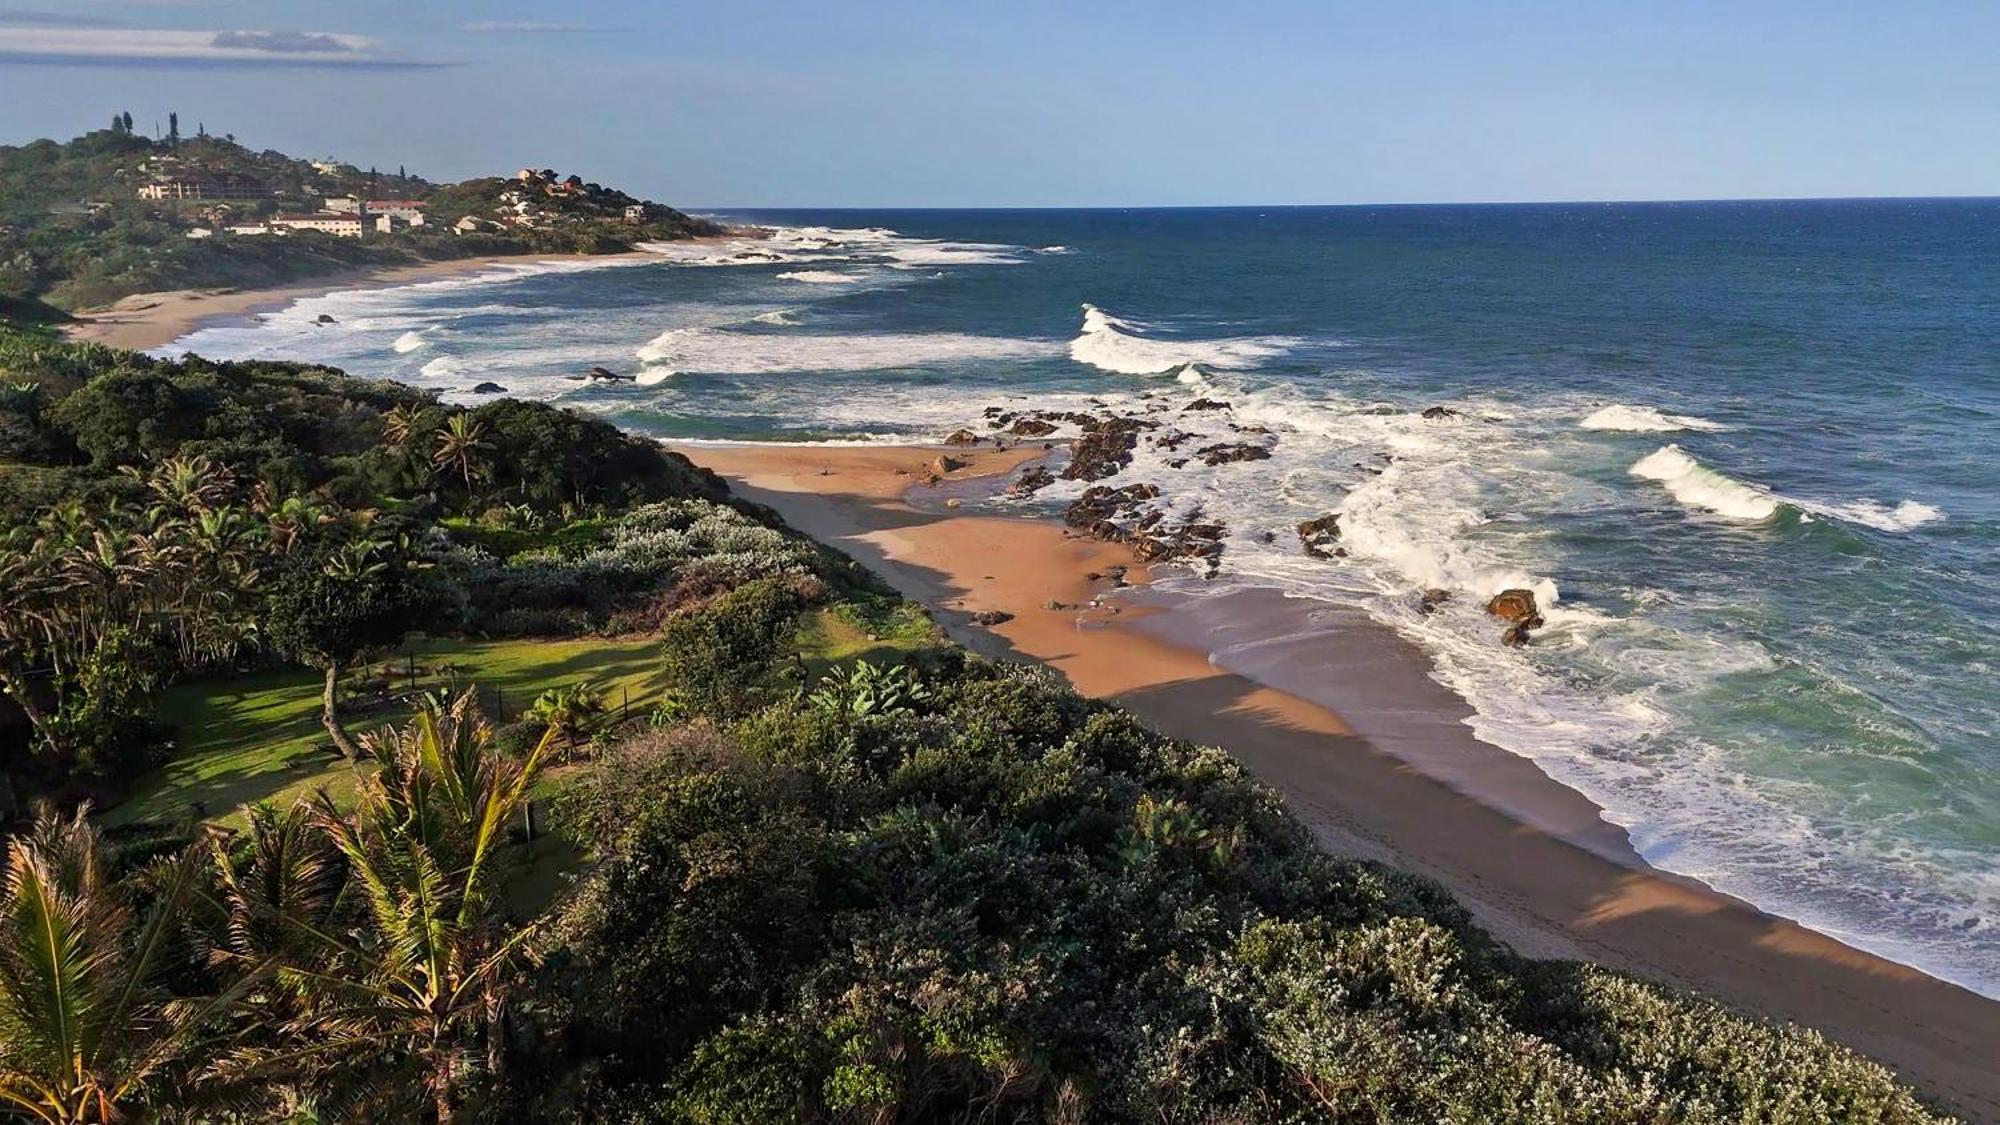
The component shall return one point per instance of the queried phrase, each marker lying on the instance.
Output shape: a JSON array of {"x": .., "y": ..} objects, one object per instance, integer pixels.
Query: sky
[{"x": 1033, "y": 103}]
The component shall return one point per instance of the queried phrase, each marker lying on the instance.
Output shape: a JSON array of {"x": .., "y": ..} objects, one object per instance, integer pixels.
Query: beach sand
[
  {"x": 144, "y": 321},
  {"x": 1530, "y": 858}
]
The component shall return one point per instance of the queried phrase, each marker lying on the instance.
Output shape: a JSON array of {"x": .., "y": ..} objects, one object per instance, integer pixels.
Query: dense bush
[
  {"x": 1006, "y": 903},
  {"x": 720, "y": 660},
  {"x": 626, "y": 573}
]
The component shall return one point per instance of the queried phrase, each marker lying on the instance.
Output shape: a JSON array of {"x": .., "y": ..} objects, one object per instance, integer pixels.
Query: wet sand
[
  {"x": 144, "y": 321},
  {"x": 1378, "y": 762}
]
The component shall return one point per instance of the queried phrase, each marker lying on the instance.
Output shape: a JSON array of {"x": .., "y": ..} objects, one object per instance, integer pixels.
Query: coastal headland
[{"x": 1531, "y": 859}]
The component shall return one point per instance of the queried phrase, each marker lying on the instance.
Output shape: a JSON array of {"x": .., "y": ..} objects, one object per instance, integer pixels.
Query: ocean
[{"x": 1746, "y": 454}]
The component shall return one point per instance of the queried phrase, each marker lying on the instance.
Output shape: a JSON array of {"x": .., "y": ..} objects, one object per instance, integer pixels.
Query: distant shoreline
[
  {"x": 148, "y": 321},
  {"x": 1538, "y": 868}
]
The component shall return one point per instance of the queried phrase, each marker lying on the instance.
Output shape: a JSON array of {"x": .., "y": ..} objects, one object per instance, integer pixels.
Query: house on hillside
[
  {"x": 636, "y": 213},
  {"x": 472, "y": 224},
  {"x": 408, "y": 211},
  {"x": 162, "y": 190},
  {"x": 338, "y": 225}
]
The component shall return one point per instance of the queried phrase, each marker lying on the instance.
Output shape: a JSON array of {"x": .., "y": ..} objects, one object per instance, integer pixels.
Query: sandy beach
[
  {"x": 144, "y": 321},
  {"x": 1377, "y": 761}
]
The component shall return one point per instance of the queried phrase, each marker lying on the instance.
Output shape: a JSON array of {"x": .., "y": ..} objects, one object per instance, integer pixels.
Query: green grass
[
  {"x": 258, "y": 738},
  {"x": 880, "y": 633}
]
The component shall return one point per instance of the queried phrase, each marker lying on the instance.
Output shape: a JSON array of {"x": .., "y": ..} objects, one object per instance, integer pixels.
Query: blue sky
[{"x": 1031, "y": 103}]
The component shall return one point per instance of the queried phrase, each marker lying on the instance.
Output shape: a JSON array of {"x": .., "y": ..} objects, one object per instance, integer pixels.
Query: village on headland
[{"x": 115, "y": 212}]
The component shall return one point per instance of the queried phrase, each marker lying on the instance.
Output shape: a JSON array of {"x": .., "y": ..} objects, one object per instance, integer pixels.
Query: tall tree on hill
[
  {"x": 329, "y": 607},
  {"x": 128, "y": 122},
  {"x": 462, "y": 444},
  {"x": 173, "y": 128}
]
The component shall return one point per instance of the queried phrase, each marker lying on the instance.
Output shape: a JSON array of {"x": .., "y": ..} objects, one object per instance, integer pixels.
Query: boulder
[
  {"x": 489, "y": 389},
  {"x": 946, "y": 464},
  {"x": 1205, "y": 404},
  {"x": 1433, "y": 413},
  {"x": 992, "y": 617},
  {"x": 606, "y": 375},
  {"x": 1319, "y": 535},
  {"x": 325, "y": 318},
  {"x": 1431, "y": 599},
  {"x": 1517, "y": 606},
  {"x": 962, "y": 437},
  {"x": 1031, "y": 427}
]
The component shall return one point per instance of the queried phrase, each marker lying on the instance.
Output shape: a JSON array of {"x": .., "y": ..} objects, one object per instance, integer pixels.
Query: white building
[
  {"x": 340, "y": 226},
  {"x": 410, "y": 211},
  {"x": 344, "y": 205},
  {"x": 200, "y": 232},
  {"x": 250, "y": 228}
]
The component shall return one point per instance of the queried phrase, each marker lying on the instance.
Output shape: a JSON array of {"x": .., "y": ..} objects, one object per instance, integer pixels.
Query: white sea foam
[
  {"x": 819, "y": 277},
  {"x": 1905, "y": 516},
  {"x": 409, "y": 342},
  {"x": 444, "y": 367},
  {"x": 654, "y": 376},
  {"x": 720, "y": 351},
  {"x": 1698, "y": 486},
  {"x": 781, "y": 317},
  {"x": 1120, "y": 346},
  {"x": 1643, "y": 420}
]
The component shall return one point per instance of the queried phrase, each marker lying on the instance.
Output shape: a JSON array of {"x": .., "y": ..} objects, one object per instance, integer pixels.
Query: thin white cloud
[
  {"x": 34, "y": 18},
  {"x": 527, "y": 27},
  {"x": 138, "y": 46}
]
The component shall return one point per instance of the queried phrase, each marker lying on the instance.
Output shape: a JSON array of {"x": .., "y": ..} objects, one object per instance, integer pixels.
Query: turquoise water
[{"x": 1750, "y": 452}]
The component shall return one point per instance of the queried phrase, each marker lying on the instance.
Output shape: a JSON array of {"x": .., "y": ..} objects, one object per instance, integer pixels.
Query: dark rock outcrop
[
  {"x": 1228, "y": 452},
  {"x": 1518, "y": 608},
  {"x": 962, "y": 437},
  {"x": 1319, "y": 536},
  {"x": 1205, "y": 404},
  {"x": 1433, "y": 413},
  {"x": 489, "y": 389},
  {"x": 992, "y": 617},
  {"x": 1033, "y": 479},
  {"x": 1031, "y": 427}
]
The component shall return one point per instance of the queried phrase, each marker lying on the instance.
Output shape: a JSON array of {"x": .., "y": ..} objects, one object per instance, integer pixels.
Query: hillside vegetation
[
  {"x": 832, "y": 869},
  {"x": 74, "y": 231}
]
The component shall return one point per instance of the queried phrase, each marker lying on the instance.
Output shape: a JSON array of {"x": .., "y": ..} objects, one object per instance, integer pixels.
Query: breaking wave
[
  {"x": 1643, "y": 420},
  {"x": 1698, "y": 486},
  {"x": 1111, "y": 344},
  {"x": 409, "y": 342},
  {"x": 819, "y": 277},
  {"x": 1906, "y": 516}
]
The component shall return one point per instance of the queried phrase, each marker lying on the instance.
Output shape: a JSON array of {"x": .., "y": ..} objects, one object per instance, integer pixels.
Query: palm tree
[
  {"x": 399, "y": 424},
  {"x": 461, "y": 443},
  {"x": 430, "y": 972},
  {"x": 86, "y": 1032}
]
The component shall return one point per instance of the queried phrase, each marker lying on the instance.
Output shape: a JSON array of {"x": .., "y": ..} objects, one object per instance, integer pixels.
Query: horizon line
[{"x": 1663, "y": 200}]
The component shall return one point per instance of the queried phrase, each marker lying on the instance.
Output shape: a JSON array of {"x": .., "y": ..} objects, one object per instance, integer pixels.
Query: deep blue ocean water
[{"x": 1749, "y": 453}]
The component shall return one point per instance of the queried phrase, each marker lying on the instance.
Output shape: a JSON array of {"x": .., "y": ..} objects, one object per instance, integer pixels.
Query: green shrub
[{"x": 721, "y": 659}]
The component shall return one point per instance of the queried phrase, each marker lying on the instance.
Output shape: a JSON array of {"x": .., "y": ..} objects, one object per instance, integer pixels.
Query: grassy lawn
[
  {"x": 844, "y": 633},
  {"x": 254, "y": 738}
]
